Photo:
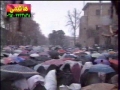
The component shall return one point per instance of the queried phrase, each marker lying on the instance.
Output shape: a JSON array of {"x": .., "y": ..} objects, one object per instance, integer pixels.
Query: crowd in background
[{"x": 58, "y": 68}]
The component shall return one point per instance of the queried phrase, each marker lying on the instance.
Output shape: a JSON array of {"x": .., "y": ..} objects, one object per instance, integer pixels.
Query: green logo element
[
  {"x": 22, "y": 15},
  {"x": 19, "y": 15},
  {"x": 10, "y": 15}
]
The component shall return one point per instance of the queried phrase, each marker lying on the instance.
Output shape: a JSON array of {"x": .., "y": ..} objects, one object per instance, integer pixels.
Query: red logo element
[{"x": 18, "y": 8}]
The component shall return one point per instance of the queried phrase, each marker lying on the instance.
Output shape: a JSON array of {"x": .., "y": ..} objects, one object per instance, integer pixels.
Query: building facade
[{"x": 96, "y": 20}]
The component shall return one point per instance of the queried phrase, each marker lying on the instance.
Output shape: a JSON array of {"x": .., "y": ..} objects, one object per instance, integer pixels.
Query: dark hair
[
  {"x": 32, "y": 57},
  {"x": 39, "y": 87},
  {"x": 58, "y": 71},
  {"x": 92, "y": 59},
  {"x": 63, "y": 77},
  {"x": 51, "y": 67},
  {"x": 66, "y": 67},
  {"x": 5, "y": 55},
  {"x": 42, "y": 71}
]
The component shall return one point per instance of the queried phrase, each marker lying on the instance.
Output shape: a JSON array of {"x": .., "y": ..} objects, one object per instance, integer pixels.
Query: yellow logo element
[{"x": 19, "y": 8}]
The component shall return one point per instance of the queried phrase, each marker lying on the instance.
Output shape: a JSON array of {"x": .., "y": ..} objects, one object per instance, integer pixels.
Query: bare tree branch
[
  {"x": 70, "y": 19},
  {"x": 73, "y": 21}
]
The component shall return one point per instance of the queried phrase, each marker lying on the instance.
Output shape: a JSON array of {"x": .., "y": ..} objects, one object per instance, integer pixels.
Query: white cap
[
  {"x": 87, "y": 53},
  {"x": 75, "y": 86},
  {"x": 10, "y": 55},
  {"x": 88, "y": 63},
  {"x": 15, "y": 54},
  {"x": 34, "y": 55}
]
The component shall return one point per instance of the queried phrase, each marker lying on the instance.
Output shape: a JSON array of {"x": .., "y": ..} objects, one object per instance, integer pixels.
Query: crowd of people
[{"x": 37, "y": 68}]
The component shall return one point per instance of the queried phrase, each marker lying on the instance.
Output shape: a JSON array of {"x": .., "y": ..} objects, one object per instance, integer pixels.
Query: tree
[
  {"x": 30, "y": 35},
  {"x": 61, "y": 37},
  {"x": 78, "y": 45},
  {"x": 52, "y": 38},
  {"x": 57, "y": 37},
  {"x": 33, "y": 32},
  {"x": 67, "y": 41},
  {"x": 73, "y": 21}
]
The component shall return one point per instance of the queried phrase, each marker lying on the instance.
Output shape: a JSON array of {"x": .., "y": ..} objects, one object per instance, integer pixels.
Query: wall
[{"x": 90, "y": 20}]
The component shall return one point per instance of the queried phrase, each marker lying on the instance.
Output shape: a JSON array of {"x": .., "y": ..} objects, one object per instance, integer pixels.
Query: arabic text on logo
[{"x": 15, "y": 8}]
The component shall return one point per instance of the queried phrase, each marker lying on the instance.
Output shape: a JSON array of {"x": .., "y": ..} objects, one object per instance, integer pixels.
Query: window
[{"x": 97, "y": 12}]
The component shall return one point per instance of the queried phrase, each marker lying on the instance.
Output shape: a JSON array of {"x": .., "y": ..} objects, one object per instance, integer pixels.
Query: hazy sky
[{"x": 51, "y": 15}]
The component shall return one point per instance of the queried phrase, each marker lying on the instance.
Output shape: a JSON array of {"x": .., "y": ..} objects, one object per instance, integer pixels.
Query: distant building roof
[{"x": 87, "y": 5}]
